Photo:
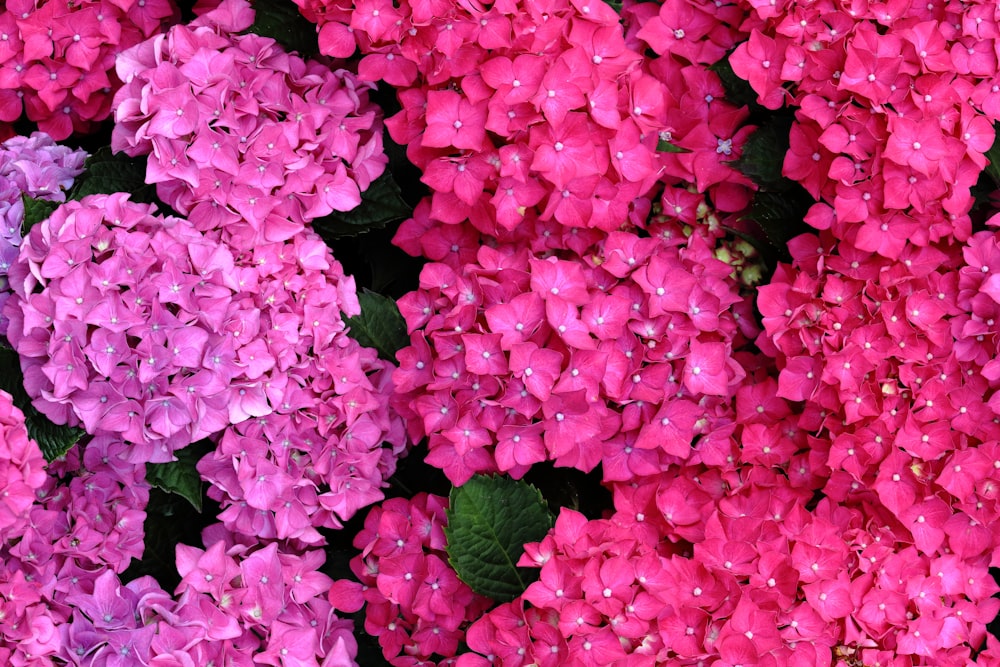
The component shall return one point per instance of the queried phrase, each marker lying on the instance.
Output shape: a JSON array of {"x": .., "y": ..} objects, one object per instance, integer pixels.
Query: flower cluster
[
  {"x": 243, "y": 604},
  {"x": 285, "y": 475},
  {"x": 142, "y": 326},
  {"x": 86, "y": 523},
  {"x": 38, "y": 167},
  {"x": 239, "y": 602},
  {"x": 414, "y": 602},
  {"x": 125, "y": 322},
  {"x": 894, "y": 363},
  {"x": 242, "y": 136},
  {"x": 21, "y": 469},
  {"x": 519, "y": 114},
  {"x": 57, "y": 59},
  {"x": 618, "y": 351},
  {"x": 755, "y": 579},
  {"x": 236, "y": 605},
  {"x": 895, "y": 360},
  {"x": 895, "y": 110},
  {"x": 112, "y": 624}
]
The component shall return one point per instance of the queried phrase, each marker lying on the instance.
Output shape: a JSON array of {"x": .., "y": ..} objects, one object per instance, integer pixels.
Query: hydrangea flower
[
  {"x": 23, "y": 470},
  {"x": 84, "y": 526},
  {"x": 413, "y": 601},
  {"x": 729, "y": 566},
  {"x": 245, "y": 604},
  {"x": 57, "y": 61},
  {"x": 38, "y": 167},
  {"x": 618, "y": 350},
  {"x": 288, "y": 474},
  {"x": 132, "y": 324},
  {"x": 895, "y": 107},
  {"x": 519, "y": 114},
  {"x": 242, "y": 136}
]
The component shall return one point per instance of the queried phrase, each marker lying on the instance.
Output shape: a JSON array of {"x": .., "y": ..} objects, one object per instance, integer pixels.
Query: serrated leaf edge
[{"x": 450, "y": 513}]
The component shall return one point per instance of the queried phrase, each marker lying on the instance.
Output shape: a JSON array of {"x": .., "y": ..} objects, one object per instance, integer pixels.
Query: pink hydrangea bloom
[
  {"x": 729, "y": 566},
  {"x": 242, "y": 136},
  {"x": 618, "y": 350},
  {"x": 38, "y": 167},
  {"x": 131, "y": 324},
  {"x": 242, "y": 603},
  {"x": 519, "y": 114},
  {"x": 895, "y": 107},
  {"x": 57, "y": 59},
  {"x": 288, "y": 474},
  {"x": 85, "y": 525}
]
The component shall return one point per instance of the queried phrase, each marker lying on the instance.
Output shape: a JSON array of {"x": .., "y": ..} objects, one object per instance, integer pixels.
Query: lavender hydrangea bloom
[{"x": 36, "y": 166}]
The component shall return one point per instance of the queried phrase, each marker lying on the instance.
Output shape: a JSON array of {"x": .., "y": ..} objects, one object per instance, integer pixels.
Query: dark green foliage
[
  {"x": 738, "y": 91},
  {"x": 490, "y": 519},
  {"x": 107, "y": 173},
  {"x": 379, "y": 325},
  {"x": 181, "y": 477},
  {"x": 780, "y": 216},
  {"x": 53, "y": 439},
  {"x": 382, "y": 203},
  {"x": 281, "y": 21},
  {"x": 35, "y": 210},
  {"x": 764, "y": 153},
  {"x": 665, "y": 146}
]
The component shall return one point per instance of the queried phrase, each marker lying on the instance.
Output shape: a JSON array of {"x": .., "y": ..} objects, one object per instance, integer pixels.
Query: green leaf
[
  {"x": 53, "y": 439},
  {"x": 490, "y": 519},
  {"x": 181, "y": 477},
  {"x": 780, "y": 215},
  {"x": 738, "y": 91},
  {"x": 281, "y": 21},
  {"x": 35, "y": 210},
  {"x": 665, "y": 146},
  {"x": 382, "y": 203},
  {"x": 993, "y": 155},
  {"x": 764, "y": 153},
  {"x": 107, "y": 173},
  {"x": 379, "y": 325}
]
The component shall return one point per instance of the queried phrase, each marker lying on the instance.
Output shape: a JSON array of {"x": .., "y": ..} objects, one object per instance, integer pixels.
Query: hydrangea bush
[{"x": 641, "y": 333}]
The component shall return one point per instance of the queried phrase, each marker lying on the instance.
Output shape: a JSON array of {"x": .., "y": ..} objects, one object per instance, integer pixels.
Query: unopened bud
[
  {"x": 745, "y": 248},
  {"x": 752, "y": 275}
]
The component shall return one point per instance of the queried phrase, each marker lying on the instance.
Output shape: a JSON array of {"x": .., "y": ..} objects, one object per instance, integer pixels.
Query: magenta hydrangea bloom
[
  {"x": 38, "y": 167},
  {"x": 243, "y": 604},
  {"x": 242, "y": 136},
  {"x": 283, "y": 476},
  {"x": 617, "y": 349},
  {"x": 141, "y": 326},
  {"x": 57, "y": 59},
  {"x": 414, "y": 602},
  {"x": 518, "y": 113},
  {"x": 895, "y": 110},
  {"x": 729, "y": 567}
]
